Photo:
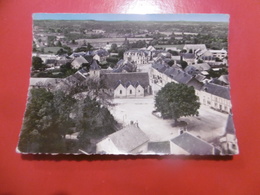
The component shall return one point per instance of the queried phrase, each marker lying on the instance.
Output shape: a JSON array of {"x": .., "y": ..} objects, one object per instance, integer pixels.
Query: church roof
[
  {"x": 112, "y": 79},
  {"x": 94, "y": 65},
  {"x": 230, "y": 129}
]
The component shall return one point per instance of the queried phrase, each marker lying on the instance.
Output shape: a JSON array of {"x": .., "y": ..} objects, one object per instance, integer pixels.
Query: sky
[{"x": 134, "y": 17}]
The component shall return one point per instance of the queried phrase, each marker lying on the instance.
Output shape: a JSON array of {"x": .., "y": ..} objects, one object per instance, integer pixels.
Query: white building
[
  {"x": 129, "y": 140},
  {"x": 127, "y": 85},
  {"x": 215, "y": 96},
  {"x": 137, "y": 56},
  {"x": 78, "y": 61},
  {"x": 219, "y": 53}
]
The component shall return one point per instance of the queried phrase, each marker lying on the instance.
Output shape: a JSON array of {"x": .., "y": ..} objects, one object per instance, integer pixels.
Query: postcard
[{"x": 129, "y": 84}]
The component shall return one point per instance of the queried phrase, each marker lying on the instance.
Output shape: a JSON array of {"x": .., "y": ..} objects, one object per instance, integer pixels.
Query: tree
[
  {"x": 174, "y": 53},
  {"x": 113, "y": 48},
  {"x": 58, "y": 44},
  {"x": 177, "y": 100},
  {"x": 89, "y": 47},
  {"x": 184, "y": 64},
  {"x": 37, "y": 63},
  {"x": 61, "y": 52}
]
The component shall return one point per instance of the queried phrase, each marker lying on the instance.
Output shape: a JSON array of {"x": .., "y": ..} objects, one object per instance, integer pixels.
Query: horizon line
[{"x": 133, "y": 17}]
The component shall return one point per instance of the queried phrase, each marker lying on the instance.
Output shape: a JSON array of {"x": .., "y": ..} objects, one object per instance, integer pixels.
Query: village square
[{"x": 112, "y": 78}]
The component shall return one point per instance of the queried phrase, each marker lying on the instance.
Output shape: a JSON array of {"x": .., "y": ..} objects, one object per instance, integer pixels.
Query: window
[
  {"x": 130, "y": 91},
  {"x": 120, "y": 91}
]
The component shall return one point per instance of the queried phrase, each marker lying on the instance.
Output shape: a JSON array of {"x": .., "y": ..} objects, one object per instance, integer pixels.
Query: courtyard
[{"x": 208, "y": 125}]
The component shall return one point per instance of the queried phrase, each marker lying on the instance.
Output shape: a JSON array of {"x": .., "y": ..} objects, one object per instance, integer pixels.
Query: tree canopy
[
  {"x": 37, "y": 63},
  {"x": 177, "y": 100},
  {"x": 51, "y": 115}
]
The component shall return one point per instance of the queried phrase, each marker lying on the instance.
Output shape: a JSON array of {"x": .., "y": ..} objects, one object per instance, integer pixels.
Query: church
[{"x": 121, "y": 84}]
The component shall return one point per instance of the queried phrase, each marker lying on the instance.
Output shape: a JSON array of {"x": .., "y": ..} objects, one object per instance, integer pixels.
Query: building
[
  {"x": 190, "y": 58},
  {"x": 101, "y": 55},
  {"x": 125, "y": 66},
  {"x": 163, "y": 74},
  {"x": 78, "y": 62},
  {"x": 129, "y": 140},
  {"x": 219, "y": 53},
  {"x": 46, "y": 57},
  {"x": 43, "y": 82},
  {"x": 188, "y": 144},
  {"x": 127, "y": 85},
  {"x": 94, "y": 70},
  {"x": 163, "y": 147},
  {"x": 193, "y": 48},
  {"x": 228, "y": 142},
  {"x": 137, "y": 56},
  {"x": 215, "y": 96}
]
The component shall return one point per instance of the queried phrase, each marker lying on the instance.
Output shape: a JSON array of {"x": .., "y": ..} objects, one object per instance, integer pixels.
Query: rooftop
[
  {"x": 192, "y": 144},
  {"x": 111, "y": 79},
  {"x": 159, "y": 147},
  {"x": 218, "y": 90},
  {"x": 129, "y": 138}
]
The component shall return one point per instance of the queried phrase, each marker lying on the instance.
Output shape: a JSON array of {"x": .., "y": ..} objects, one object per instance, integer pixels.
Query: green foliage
[
  {"x": 37, "y": 63},
  {"x": 59, "y": 44},
  {"x": 61, "y": 52},
  {"x": 138, "y": 44},
  {"x": 216, "y": 74},
  {"x": 86, "y": 48},
  {"x": 174, "y": 53},
  {"x": 184, "y": 64},
  {"x": 46, "y": 121},
  {"x": 177, "y": 100},
  {"x": 113, "y": 60},
  {"x": 51, "y": 115},
  {"x": 114, "y": 48}
]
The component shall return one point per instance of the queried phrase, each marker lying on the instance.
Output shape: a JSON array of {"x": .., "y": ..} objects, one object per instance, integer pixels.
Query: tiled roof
[
  {"x": 230, "y": 129},
  {"x": 161, "y": 67},
  {"x": 132, "y": 52},
  {"x": 190, "y": 69},
  {"x": 193, "y": 145},
  {"x": 188, "y": 55},
  {"x": 200, "y": 77},
  {"x": 124, "y": 65},
  {"x": 102, "y": 52},
  {"x": 178, "y": 75},
  {"x": 129, "y": 138},
  {"x": 111, "y": 79},
  {"x": 94, "y": 65},
  {"x": 195, "y": 46},
  {"x": 218, "y": 90},
  {"x": 159, "y": 147},
  {"x": 224, "y": 78},
  {"x": 51, "y": 61},
  {"x": 202, "y": 66},
  {"x": 80, "y": 60}
]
